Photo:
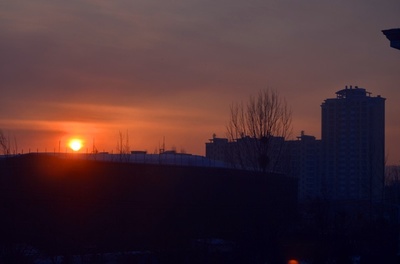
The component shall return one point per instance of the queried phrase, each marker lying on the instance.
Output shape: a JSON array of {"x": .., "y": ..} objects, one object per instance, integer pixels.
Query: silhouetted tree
[
  {"x": 392, "y": 189},
  {"x": 4, "y": 144},
  {"x": 258, "y": 127},
  {"x": 7, "y": 146},
  {"x": 123, "y": 148}
]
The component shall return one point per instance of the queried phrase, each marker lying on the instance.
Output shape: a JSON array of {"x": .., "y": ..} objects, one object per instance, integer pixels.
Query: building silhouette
[
  {"x": 393, "y": 35},
  {"x": 304, "y": 155},
  {"x": 353, "y": 139},
  {"x": 300, "y": 159},
  {"x": 244, "y": 153},
  {"x": 346, "y": 164},
  {"x": 217, "y": 148}
]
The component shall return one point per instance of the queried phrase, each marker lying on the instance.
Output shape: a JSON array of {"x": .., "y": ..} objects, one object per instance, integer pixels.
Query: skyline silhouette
[{"x": 90, "y": 69}]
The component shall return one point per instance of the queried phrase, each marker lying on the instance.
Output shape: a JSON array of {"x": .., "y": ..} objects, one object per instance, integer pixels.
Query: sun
[{"x": 75, "y": 144}]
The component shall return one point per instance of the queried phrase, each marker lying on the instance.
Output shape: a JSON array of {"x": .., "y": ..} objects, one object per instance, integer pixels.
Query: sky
[{"x": 156, "y": 69}]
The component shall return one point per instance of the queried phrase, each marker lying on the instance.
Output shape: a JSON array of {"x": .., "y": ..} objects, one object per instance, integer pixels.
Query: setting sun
[{"x": 75, "y": 144}]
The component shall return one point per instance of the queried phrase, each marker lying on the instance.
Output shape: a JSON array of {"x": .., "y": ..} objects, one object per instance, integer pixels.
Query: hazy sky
[{"x": 158, "y": 68}]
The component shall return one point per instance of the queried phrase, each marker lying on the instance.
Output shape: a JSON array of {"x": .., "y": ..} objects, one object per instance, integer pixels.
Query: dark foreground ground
[{"x": 64, "y": 207}]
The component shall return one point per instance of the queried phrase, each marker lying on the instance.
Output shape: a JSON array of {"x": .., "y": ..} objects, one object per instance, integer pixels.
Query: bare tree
[
  {"x": 123, "y": 148},
  {"x": 8, "y": 146},
  {"x": 257, "y": 128},
  {"x": 4, "y": 144},
  {"x": 15, "y": 145},
  {"x": 392, "y": 183}
]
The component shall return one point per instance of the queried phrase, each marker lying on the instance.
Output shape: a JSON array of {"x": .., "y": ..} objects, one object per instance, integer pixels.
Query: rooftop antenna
[
  {"x": 162, "y": 148},
  {"x": 94, "y": 150}
]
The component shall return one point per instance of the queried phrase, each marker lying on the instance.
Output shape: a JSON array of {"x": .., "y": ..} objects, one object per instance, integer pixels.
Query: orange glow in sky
[
  {"x": 75, "y": 144},
  {"x": 163, "y": 73}
]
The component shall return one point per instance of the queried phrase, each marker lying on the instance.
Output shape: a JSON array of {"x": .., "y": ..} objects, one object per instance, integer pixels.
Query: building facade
[
  {"x": 305, "y": 165},
  {"x": 245, "y": 153},
  {"x": 217, "y": 149},
  {"x": 300, "y": 159},
  {"x": 353, "y": 140}
]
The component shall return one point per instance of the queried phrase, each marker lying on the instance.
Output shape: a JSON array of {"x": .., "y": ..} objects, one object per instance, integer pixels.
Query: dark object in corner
[{"x": 394, "y": 36}]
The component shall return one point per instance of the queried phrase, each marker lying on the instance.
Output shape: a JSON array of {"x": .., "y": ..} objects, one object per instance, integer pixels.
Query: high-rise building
[{"x": 353, "y": 139}]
